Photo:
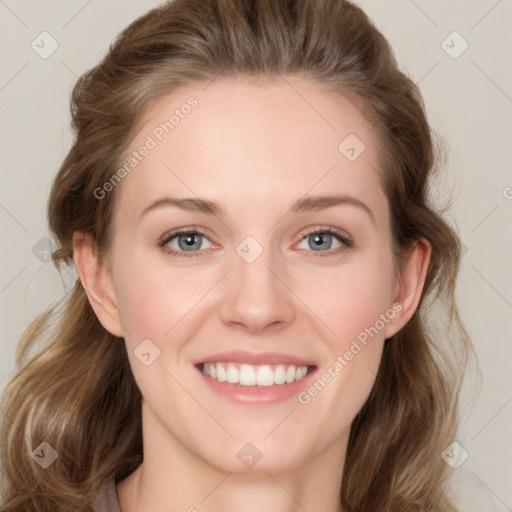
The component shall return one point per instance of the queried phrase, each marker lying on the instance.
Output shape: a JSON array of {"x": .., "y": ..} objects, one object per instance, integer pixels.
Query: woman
[{"x": 246, "y": 207}]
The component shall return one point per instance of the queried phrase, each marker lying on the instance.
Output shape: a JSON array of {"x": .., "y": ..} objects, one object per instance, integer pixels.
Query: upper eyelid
[
  {"x": 169, "y": 235},
  {"x": 329, "y": 229}
]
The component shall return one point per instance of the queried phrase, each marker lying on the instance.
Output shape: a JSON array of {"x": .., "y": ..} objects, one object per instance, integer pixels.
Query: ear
[
  {"x": 410, "y": 285},
  {"x": 96, "y": 279}
]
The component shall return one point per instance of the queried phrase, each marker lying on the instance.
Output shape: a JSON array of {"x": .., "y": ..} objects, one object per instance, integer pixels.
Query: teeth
[
  {"x": 249, "y": 375},
  {"x": 280, "y": 375},
  {"x": 232, "y": 375},
  {"x": 221, "y": 373},
  {"x": 265, "y": 376},
  {"x": 246, "y": 375}
]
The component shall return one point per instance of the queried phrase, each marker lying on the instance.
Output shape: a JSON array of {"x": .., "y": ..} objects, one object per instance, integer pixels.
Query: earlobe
[
  {"x": 97, "y": 282},
  {"x": 410, "y": 286}
]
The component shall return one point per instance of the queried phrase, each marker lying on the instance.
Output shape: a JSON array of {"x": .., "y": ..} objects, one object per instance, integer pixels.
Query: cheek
[
  {"x": 151, "y": 302},
  {"x": 354, "y": 304},
  {"x": 350, "y": 299},
  {"x": 352, "y": 351}
]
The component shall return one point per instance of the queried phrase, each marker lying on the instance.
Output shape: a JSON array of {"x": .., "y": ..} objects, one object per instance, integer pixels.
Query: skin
[{"x": 252, "y": 148}]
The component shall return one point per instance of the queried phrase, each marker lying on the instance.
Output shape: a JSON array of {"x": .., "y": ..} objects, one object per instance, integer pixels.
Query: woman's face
[{"x": 253, "y": 291}]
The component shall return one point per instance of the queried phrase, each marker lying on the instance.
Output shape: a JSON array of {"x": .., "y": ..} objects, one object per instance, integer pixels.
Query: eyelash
[{"x": 347, "y": 243}]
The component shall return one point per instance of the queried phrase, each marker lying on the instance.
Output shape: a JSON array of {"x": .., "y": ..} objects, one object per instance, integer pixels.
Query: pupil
[
  {"x": 319, "y": 238},
  {"x": 189, "y": 241}
]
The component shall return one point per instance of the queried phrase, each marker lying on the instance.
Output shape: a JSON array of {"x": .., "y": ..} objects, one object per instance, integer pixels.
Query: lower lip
[{"x": 258, "y": 395}]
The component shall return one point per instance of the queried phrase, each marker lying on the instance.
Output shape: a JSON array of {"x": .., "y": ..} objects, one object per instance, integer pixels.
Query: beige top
[{"x": 107, "y": 499}]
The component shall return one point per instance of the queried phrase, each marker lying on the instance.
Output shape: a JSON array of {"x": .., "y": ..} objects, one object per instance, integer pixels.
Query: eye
[
  {"x": 187, "y": 242},
  {"x": 321, "y": 240},
  {"x": 184, "y": 242}
]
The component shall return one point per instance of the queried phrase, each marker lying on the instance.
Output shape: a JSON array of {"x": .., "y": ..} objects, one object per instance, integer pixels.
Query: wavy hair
[{"x": 73, "y": 386}]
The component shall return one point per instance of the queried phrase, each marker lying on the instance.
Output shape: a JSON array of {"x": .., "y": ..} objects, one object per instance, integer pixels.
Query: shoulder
[{"x": 106, "y": 500}]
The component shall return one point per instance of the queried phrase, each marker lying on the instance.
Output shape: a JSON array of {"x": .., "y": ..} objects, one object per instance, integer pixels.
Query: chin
[{"x": 254, "y": 455}]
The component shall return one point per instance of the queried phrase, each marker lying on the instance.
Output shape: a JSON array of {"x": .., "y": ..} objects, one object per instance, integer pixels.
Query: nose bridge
[
  {"x": 253, "y": 262},
  {"x": 256, "y": 297}
]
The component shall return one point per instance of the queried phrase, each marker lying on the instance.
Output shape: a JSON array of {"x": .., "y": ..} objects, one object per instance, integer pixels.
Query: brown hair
[{"x": 76, "y": 391}]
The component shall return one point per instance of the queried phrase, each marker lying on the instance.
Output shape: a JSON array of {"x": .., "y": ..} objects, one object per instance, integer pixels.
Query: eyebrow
[{"x": 304, "y": 204}]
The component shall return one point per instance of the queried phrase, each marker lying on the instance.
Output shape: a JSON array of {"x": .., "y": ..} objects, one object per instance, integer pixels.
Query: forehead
[{"x": 238, "y": 140}]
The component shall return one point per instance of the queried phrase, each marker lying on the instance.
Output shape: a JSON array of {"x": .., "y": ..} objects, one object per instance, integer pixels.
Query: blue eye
[
  {"x": 190, "y": 242},
  {"x": 320, "y": 241}
]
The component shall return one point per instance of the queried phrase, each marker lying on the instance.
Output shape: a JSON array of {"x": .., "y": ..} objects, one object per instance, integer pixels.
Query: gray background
[{"x": 469, "y": 102}]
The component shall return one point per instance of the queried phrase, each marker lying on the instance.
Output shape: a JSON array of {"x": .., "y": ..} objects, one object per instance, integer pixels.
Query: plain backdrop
[{"x": 459, "y": 52}]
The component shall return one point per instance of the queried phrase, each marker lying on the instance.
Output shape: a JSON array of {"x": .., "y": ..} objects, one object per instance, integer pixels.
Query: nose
[{"x": 256, "y": 297}]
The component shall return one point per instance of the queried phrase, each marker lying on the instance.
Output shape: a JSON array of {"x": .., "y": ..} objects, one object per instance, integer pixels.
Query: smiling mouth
[{"x": 265, "y": 375}]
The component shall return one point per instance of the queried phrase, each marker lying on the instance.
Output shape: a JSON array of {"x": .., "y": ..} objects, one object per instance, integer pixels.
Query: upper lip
[{"x": 255, "y": 358}]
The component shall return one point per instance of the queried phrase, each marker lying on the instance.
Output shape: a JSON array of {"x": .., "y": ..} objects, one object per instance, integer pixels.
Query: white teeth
[
  {"x": 221, "y": 373},
  {"x": 265, "y": 376},
  {"x": 232, "y": 374},
  {"x": 247, "y": 375},
  {"x": 301, "y": 372},
  {"x": 280, "y": 375},
  {"x": 254, "y": 375}
]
